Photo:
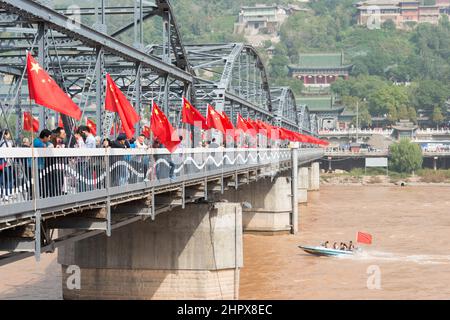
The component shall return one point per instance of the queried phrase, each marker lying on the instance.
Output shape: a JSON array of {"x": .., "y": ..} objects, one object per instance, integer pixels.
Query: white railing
[
  {"x": 38, "y": 176},
  {"x": 387, "y": 132},
  {"x": 431, "y": 131},
  {"x": 347, "y": 152},
  {"x": 354, "y": 131}
]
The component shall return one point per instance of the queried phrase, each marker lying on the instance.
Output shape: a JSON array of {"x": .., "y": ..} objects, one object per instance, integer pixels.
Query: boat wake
[{"x": 394, "y": 257}]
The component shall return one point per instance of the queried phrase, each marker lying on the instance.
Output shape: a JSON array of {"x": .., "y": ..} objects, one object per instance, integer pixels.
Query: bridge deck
[{"x": 51, "y": 185}]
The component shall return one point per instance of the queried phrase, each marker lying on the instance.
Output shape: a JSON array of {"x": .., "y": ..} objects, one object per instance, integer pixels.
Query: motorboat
[{"x": 322, "y": 251}]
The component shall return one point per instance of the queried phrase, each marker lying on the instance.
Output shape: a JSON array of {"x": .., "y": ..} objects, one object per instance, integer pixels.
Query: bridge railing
[
  {"x": 344, "y": 152},
  {"x": 41, "y": 178},
  {"x": 354, "y": 130},
  {"x": 432, "y": 131}
]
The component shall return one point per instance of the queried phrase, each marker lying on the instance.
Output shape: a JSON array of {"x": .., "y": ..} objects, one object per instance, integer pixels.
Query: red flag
[
  {"x": 146, "y": 131},
  {"x": 111, "y": 132},
  {"x": 227, "y": 124},
  {"x": 364, "y": 238},
  {"x": 192, "y": 116},
  {"x": 29, "y": 122},
  {"x": 261, "y": 128},
  {"x": 214, "y": 120},
  {"x": 44, "y": 91},
  {"x": 163, "y": 130},
  {"x": 272, "y": 132},
  {"x": 92, "y": 127},
  {"x": 241, "y": 124},
  {"x": 257, "y": 125},
  {"x": 285, "y": 134},
  {"x": 251, "y": 129},
  {"x": 116, "y": 101}
]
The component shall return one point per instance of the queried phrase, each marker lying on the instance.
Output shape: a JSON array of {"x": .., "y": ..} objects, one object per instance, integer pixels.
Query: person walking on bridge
[{"x": 6, "y": 168}]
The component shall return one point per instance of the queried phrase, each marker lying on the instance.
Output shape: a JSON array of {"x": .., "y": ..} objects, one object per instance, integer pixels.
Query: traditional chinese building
[
  {"x": 323, "y": 107},
  {"x": 401, "y": 13},
  {"x": 404, "y": 129},
  {"x": 320, "y": 69}
]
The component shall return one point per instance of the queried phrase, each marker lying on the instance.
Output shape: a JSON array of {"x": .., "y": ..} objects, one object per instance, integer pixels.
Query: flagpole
[
  {"x": 33, "y": 162},
  {"x": 150, "y": 126}
]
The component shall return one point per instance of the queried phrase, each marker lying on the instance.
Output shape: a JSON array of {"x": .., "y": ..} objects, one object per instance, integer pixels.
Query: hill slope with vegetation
[{"x": 419, "y": 57}]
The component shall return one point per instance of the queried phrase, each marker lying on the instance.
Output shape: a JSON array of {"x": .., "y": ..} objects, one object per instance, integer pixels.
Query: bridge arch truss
[{"x": 78, "y": 54}]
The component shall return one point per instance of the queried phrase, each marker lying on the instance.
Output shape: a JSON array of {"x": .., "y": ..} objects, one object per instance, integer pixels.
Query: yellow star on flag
[{"x": 35, "y": 67}]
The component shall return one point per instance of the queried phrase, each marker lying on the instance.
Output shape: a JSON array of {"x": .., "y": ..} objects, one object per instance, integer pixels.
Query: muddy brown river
[{"x": 408, "y": 259}]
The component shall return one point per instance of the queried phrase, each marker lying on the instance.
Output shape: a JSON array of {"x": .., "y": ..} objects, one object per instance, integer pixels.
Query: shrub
[{"x": 406, "y": 156}]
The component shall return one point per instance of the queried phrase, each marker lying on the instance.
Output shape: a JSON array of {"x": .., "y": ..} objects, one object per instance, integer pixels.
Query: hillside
[{"x": 380, "y": 57}]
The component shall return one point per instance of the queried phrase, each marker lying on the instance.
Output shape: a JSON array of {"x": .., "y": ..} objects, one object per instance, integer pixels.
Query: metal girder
[
  {"x": 230, "y": 75},
  {"x": 304, "y": 117},
  {"x": 57, "y": 21},
  {"x": 233, "y": 76},
  {"x": 285, "y": 108}
]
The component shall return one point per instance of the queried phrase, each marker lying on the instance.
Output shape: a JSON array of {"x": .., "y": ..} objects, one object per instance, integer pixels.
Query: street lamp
[{"x": 357, "y": 117}]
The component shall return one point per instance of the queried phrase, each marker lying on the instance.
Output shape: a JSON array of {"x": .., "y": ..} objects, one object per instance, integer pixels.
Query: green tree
[
  {"x": 364, "y": 117},
  {"x": 402, "y": 112},
  {"x": 406, "y": 156},
  {"x": 388, "y": 100},
  {"x": 278, "y": 66},
  {"x": 437, "y": 117},
  {"x": 412, "y": 114},
  {"x": 356, "y": 104},
  {"x": 426, "y": 94},
  {"x": 388, "y": 24}
]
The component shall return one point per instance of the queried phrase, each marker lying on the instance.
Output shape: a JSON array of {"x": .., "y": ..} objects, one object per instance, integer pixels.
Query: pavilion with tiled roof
[
  {"x": 323, "y": 107},
  {"x": 320, "y": 69}
]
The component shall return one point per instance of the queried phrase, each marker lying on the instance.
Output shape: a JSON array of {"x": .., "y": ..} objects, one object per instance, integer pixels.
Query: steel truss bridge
[
  {"x": 48, "y": 189},
  {"x": 44, "y": 190},
  {"x": 79, "y": 45}
]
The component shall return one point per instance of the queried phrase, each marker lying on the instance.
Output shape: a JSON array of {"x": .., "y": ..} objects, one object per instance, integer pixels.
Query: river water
[{"x": 409, "y": 257}]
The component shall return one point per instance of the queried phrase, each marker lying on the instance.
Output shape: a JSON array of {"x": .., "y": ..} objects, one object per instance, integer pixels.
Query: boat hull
[{"x": 322, "y": 251}]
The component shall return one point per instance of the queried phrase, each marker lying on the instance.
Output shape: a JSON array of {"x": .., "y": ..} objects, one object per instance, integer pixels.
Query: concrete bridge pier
[
  {"x": 271, "y": 209},
  {"x": 314, "y": 177},
  {"x": 303, "y": 184},
  {"x": 191, "y": 253}
]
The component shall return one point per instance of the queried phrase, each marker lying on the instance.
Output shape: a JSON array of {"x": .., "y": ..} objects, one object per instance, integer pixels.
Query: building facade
[
  {"x": 321, "y": 69},
  {"x": 404, "y": 14},
  {"x": 263, "y": 18}
]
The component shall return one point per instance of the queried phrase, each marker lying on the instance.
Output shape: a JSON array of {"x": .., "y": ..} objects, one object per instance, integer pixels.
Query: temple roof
[
  {"x": 378, "y": 2},
  {"x": 319, "y": 104},
  {"x": 321, "y": 61}
]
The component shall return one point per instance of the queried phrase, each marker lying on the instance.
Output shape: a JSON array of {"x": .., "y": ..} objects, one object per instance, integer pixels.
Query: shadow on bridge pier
[
  {"x": 161, "y": 239},
  {"x": 190, "y": 253}
]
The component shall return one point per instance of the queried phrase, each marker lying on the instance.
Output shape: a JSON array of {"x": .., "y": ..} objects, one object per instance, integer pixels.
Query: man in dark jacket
[{"x": 119, "y": 174}]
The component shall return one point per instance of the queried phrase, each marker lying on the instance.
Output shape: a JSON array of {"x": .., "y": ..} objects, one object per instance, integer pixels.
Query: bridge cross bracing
[
  {"x": 230, "y": 76},
  {"x": 78, "y": 53}
]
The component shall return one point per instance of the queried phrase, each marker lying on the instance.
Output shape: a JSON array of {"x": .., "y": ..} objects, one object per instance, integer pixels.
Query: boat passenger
[
  {"x": 335, "y": 246},
  {"x": 343, "y": 246},
  {"x": 351, "y": 247},
  {"x": 325, "y": 245}
]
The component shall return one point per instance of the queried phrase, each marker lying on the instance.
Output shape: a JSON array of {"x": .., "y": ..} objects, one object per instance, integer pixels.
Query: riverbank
[{"x": 379, "y": 177}]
